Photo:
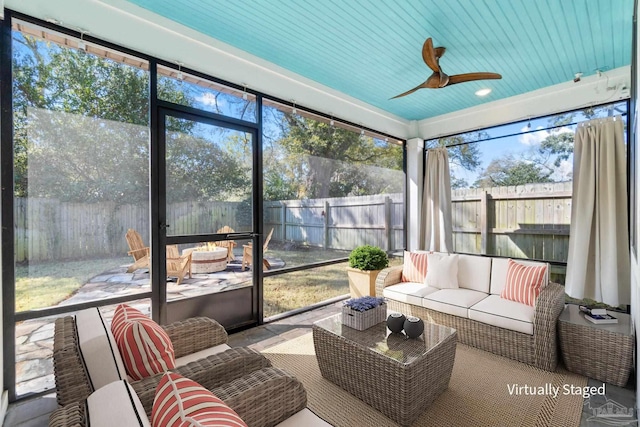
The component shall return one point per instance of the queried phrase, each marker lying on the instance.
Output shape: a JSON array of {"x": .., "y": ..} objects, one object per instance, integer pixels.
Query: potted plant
[
  {"x": 365, "y": 262},
  {"x": 364, "y": 312}
]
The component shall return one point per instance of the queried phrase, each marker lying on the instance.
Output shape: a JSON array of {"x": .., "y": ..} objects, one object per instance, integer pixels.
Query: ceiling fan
[{"x": 439, "y": 79}]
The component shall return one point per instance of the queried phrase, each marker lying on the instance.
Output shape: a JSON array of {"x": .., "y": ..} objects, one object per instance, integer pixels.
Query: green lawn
[
  {"x": 301, "y": 288},
  {"x": 48, "y": 283}
]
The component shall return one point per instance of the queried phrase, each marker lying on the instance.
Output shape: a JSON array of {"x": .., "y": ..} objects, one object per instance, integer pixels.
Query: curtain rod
[{"x": 513, "y": 134}]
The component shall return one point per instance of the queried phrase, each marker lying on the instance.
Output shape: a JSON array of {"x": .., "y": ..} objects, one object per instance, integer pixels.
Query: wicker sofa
[
  {"x": 481, "y": 317},
  {"x": 86, "y": 360}
]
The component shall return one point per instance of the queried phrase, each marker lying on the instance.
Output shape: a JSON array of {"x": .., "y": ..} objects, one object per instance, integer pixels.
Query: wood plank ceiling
[{"x": 371, "y": 49}]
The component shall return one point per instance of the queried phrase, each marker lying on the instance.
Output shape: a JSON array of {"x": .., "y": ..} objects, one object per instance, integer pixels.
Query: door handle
[{"x": 164, "y": 226}]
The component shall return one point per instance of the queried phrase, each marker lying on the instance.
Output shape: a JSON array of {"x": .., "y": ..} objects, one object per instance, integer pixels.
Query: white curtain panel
[
  {"x": 436, "y": 234},
  {"x": 598, "y": 262}
]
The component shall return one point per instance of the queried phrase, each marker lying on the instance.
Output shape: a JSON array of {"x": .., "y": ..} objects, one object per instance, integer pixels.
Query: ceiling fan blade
[
  {"x": 468, "y": 77},
  {"x": 420, "y": 86},
  {"x": 429, "y": 55}
]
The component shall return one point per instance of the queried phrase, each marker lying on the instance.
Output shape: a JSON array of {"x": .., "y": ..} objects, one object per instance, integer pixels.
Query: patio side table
[{"x": 603, "y": 352}]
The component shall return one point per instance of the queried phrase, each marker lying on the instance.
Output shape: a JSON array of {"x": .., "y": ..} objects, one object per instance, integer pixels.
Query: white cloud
[
  {"x": 535, "y": 138},
  {"x": 564, "y": 172},
  {"x": 209, "y": 98}
]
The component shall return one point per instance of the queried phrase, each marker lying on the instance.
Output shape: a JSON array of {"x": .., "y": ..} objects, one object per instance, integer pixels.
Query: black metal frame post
[{"x": 6, "y": 184}]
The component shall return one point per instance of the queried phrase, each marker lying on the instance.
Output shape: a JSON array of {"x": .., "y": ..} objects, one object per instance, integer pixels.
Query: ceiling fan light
[{"x": 483, "y": 92}]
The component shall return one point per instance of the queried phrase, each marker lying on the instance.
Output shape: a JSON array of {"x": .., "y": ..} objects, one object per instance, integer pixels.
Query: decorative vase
[
  {"x": 395, "y": 322},
  {"x": 413, "y": 327}
]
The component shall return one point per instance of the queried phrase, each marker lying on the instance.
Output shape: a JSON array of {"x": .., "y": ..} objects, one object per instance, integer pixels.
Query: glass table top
[{"x": 381, "y": 340}]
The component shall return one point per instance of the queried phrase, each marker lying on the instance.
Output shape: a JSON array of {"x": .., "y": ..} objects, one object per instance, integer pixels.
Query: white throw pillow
[{"x": 442, "y": 271}]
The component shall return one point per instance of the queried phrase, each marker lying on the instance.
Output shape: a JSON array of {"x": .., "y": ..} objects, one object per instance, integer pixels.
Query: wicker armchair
[
  {"x": 190, "y": 336},
  {"x": 262, "y": 398}
]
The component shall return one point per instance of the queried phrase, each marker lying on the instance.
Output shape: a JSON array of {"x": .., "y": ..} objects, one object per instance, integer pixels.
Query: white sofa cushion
[
  {"x": 443, "y": 271},
  {"x": 499, "y": 267},
  {"x": 453, "y": 301},
  {"x": 504, "y": 313},
  {"x": 474, "y": 272},
  {"x": 409, "y": 292},
  {"x": 202, "y": 354},
  {"x": 304, "y": 418},
  {"x": 98, "y": 349},
  {"x": 116, "y": 404}
]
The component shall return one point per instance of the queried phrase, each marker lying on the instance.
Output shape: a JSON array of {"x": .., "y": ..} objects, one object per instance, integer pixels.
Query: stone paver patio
[{"x": 34, "y": 338}]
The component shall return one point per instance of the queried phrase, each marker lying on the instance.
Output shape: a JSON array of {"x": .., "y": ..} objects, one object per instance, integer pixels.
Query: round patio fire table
[{"x": 209, "y": 261}]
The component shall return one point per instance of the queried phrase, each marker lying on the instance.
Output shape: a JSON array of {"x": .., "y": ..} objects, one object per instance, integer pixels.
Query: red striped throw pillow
[
  {"x": 181, "y": 402},
  {"x": 145, "y": 347},
  {"x": 524, "y": 282},
  {"x": 414, "y": 268}
]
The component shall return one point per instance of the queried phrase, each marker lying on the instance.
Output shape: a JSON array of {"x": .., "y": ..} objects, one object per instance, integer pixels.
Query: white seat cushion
[
  {"x": 116, "y": 404},
  {"x": 409, "y": 292},
  {"x": 98, "y": 349},
  {"x": 304, "y": 418},
  {"x": 181, "y": 361},
  {"x": 504, "y": 313},
  {"x": 474, "y": 272},
  {"x": 453, "y": 301},
  {"x": 499, "y": 267}
]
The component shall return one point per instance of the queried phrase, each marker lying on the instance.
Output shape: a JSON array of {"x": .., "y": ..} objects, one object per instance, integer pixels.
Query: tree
[
  {"x": 463, "y": 153},
  {"x": 82, "y": 131},
  {"x": 311, "y": 159},
  {"x": 507, "y": 170}
]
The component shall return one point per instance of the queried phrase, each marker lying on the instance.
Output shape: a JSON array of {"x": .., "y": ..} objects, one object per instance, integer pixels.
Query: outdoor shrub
[
  {"x": 368, "y": 258},
  {"x": 364, "y": 303}
]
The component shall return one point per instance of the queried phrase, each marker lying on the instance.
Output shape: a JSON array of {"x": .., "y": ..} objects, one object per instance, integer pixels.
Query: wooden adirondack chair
[
  {"x": 229, "y": 244},
  {"x": 247, "y": 253},
  {"x": 178, "y": 265},
  {"x": 138, "y": 251}
]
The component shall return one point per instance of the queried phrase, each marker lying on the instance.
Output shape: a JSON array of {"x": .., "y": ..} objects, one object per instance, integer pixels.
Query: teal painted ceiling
[{"x": 371, "y": 49}]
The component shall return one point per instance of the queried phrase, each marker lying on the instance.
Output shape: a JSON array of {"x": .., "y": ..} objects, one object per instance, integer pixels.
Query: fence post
[
  {"x": 484, "y": 222},
  {"x": 283, "y": 220},
  {"x": 387, "y": 223},
  {"x": 326, "y": 225}
]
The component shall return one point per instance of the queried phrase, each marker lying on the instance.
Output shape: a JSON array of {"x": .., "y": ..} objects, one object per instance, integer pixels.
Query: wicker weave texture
[
  {"x": 72, "y": 382},
  {"x": 596, "y": 353},
  {"x": 402, "y": 390},
  {"x": 72, "y": 415},
  {"x": 195, "y": 334},
  {"x": 265, "y": 397},
  {"x": 362, "y": 320},
  {"x": 539, "y": 349},
  {"x": 211, "y": 372}
]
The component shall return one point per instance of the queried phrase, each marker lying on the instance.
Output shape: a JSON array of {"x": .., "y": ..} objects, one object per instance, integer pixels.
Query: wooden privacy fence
[
  {"x": 48, "y": 229},
  {"x": 339, "y": 223},
  {"x": 528, "y": 221}
]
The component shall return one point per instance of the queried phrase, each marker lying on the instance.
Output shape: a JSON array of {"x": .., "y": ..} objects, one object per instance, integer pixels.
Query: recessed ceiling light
[{"x": 483, "y": 92}]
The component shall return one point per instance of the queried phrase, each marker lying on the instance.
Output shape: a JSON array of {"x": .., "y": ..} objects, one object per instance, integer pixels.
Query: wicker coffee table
[
  {"x": 397, "y": 376},
  {"x": 602, "y": 352}
]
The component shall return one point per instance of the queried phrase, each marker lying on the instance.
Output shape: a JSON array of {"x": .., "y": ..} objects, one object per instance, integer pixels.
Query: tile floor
[{"x": 35, "y": 412}]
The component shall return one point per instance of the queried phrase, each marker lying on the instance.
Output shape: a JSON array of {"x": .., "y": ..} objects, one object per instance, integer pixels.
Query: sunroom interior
[{"x": 207, "y": 128}]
